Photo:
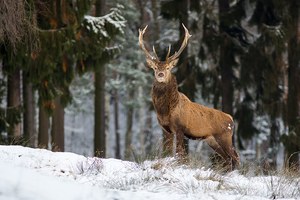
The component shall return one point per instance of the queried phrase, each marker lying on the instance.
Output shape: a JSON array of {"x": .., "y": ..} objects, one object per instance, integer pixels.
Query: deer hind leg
[
  {"x": 211, "y": 141},
  {"x": 225, "y": 141}
]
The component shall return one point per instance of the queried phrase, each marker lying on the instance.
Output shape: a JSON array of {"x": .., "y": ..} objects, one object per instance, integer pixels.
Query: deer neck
[{"x": 165, "y": 96}]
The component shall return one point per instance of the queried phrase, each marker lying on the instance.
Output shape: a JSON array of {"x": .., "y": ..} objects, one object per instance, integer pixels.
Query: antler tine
[
  {"x": 169, "y": 50},
  {"x": 141, "y": 43},
  {"x": 183, "y": 45},
  {"x": 155, "y": 54}
]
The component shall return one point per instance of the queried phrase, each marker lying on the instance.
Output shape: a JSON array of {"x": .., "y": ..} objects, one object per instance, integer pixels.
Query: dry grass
[
  {"x": 278, "y": 183},
  {"x": 283, "y": 184},
  {"x": 194, "y": 177},
  {"x": 191, "y": 176},
  {"x": 90, "y": 166}
]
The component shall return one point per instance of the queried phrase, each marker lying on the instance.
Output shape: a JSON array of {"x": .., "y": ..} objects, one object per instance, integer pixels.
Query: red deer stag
[{"x": 177, "y": 114}]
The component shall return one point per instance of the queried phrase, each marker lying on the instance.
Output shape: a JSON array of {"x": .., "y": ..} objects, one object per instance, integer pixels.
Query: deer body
[{"x": 178, "y": 115}]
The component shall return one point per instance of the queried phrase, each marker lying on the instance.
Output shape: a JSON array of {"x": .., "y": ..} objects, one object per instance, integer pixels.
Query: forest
[{"x": 73, "y": 77}]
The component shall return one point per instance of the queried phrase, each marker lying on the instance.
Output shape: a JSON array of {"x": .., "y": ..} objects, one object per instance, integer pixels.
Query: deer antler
[
  {"x": 141, "y": 42},
  {"x": 183, "y": 45},
  {"x": 168, "y": 59}
]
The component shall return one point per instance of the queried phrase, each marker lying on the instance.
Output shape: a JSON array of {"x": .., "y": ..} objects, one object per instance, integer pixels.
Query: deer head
[{"x": 162, "y": 69}]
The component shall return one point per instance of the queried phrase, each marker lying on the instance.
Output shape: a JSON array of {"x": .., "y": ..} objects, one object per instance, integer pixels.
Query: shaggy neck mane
[{"x": 165, "y": 96}]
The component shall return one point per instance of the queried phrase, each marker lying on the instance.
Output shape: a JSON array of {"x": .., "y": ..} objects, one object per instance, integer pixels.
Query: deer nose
[{"x": 160, "y": 74}]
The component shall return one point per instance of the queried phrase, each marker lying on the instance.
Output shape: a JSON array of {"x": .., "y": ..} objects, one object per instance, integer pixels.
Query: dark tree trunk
[
  {"x": 100, "y": 122},
  {"x": 156, "y": 27},
  {"x": 57, "y": 130},
  {"x": 226, "y": 79},
  {"x": 225, "y": 61},
  {"x": 43, "y": 134},
  {"x": 128, "y": 134},
  {"x": 29, "y": 113},
  {"x": 141, "y": 5},
  {"x": 117, "y": 127},
  {"x": 293, "y": 143},
  {"x": 274, "y": 142},
  {"x": 99, "y": 135},
  {"x": 275, "y": 79},
  {"x": 13, "y": 103},
  {"x": 129, "y": 123},
  {"x": 148, "y": 133}
]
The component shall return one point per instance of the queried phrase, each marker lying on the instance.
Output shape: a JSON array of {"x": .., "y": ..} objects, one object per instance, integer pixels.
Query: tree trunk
[
  {"x": 128, "y": 134},
  {"x": 274, "y": 142},
  {"x": 129, "y": 123},
  {"x": 141, "y": 5},
  {"x": 100, "y": 122},
  {"x": 225, "y": 61},
  {"x": 43, "y": 134},
  {"x": 293, "y": 143},
  {"x": 13, "y": 103},
  {"x": 148, "y": 132},
  {"x": 57, "y": 129},
  {"x": 29, "y": 113},
  {"x": 226, "y": 78},
  {"x": 99, "y": 135},
  {"x": 156, "y": 27},
  {"x": 117, "y": 127},
  {"x": 275, "y": 78}
]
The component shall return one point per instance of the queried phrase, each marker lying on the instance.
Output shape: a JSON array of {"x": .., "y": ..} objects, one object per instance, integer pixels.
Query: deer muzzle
[{"x": 160, "y": 76}]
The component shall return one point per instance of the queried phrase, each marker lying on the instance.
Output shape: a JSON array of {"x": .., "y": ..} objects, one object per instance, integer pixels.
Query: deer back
[{"x": 197, "y": 121}]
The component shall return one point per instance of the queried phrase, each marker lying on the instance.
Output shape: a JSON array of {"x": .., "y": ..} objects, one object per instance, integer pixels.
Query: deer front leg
[
  {"x": 180, "y": 145},
  {"x": 168, "y": 139}
]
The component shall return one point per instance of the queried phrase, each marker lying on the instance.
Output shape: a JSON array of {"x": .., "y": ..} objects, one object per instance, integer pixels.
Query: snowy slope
[{"x": 35, "y": 174}]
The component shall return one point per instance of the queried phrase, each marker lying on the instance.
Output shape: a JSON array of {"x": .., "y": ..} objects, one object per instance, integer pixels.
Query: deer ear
[
  {"x": 150, "y": 63},
  {"x": 173, "y": 63}
]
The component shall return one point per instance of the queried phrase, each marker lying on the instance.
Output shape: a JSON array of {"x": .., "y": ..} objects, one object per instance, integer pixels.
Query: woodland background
[{"x": 74, "y": 78}]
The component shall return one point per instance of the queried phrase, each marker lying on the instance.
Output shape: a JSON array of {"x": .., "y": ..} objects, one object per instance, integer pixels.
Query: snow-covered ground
[{"x": 36, "y": 174}]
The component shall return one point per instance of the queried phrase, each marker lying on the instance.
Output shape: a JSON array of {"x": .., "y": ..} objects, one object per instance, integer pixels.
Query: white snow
[
  {"x": 35, "y": 174},
  {"x": 97, "y": 24}
]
